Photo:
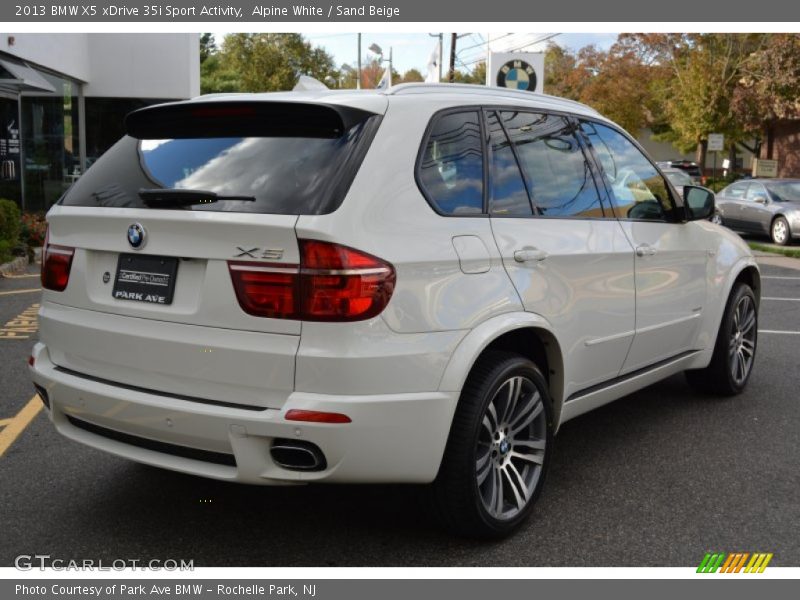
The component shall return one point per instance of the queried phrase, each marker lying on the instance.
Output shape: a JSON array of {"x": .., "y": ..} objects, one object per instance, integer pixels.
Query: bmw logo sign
[
  {"x": 136, "y": 236},
  {"x": 517, "y": 75}
]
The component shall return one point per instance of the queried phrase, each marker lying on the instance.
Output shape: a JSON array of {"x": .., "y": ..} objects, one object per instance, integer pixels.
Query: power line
[{"x": 526, "y": 45}]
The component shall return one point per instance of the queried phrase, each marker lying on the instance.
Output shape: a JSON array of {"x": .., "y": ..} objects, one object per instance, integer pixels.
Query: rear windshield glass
[{"x": 284, "y": 175}]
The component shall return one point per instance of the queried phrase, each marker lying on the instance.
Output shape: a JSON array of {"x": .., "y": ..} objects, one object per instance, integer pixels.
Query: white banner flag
[
  {"x": 433, "y": 66},
  {"x": 386, "y": 81}
]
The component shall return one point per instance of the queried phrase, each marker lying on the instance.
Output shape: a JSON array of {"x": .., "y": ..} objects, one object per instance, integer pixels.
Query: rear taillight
[
  {"x": 332, "y": 283},
  {"x": 56, "y": 264}
]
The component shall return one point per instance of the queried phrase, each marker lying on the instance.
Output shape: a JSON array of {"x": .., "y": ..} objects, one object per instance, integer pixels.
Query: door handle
[
  {"x": 530, "y": 254},
  {"x": 645, "y": 250}
]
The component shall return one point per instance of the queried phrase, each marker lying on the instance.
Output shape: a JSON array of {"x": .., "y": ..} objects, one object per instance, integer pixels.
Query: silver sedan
[{"x": 766, "y": 206}]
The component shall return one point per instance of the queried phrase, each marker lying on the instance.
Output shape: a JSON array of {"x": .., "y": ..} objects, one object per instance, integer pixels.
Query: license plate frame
[{"x": 145, "y": 278}]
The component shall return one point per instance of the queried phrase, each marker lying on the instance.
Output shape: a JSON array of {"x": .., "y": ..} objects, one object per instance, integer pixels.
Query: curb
[{"x": 17, "y": 265}]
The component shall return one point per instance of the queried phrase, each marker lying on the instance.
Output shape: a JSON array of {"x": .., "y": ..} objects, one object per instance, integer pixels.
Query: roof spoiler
[{"x": 242, "y": 119}]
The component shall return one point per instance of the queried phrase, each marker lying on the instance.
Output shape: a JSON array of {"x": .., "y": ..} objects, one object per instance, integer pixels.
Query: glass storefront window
[
  {"x": 50, "y": 139},
  {"x": 9, "y": 150}
]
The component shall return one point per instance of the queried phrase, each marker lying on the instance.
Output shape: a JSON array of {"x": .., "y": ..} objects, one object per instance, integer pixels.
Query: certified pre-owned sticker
[{"x": 144, "y": 278}]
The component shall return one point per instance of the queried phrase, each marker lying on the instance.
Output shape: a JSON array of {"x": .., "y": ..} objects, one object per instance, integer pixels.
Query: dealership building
[{"x": 63, "y": 98}]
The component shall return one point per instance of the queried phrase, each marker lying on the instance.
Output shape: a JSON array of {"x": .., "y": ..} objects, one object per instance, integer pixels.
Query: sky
[{"x": 412, "y": 50}]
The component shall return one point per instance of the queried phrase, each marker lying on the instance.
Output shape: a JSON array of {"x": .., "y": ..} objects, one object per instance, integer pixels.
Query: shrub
[
  {"x": 34, "y": 228},
  {"x": 10, "y": 227}
]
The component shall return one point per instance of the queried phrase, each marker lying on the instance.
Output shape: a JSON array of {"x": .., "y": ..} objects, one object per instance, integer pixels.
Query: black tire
[
  {"x": 460, "y": 499},
  {"x": 779, "y": 231},
  {"x": 720, "y": 377}
]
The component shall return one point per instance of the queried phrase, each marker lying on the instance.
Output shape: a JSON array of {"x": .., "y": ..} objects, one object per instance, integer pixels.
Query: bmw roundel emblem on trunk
[{"x": 136, "y": 236}]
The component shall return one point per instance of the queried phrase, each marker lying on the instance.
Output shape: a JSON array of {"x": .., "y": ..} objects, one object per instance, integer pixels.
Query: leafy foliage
[
  {"x": 262, "y": 62},
  {"x": 34, "y": 228},
  {"x": 10, "y": 226},
  {"x": 770, "y": 85},
  {"x": 411, "y": 76},
  {"x": 618, "y": 82},
  {"x": 476, "y": 77},
  {"x": 685, "y": 86}
]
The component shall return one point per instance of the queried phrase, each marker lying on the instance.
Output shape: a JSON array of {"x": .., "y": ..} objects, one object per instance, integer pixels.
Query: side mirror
[
  {"x": 699, "y": 202},
  {"x": 760, "y": 200}
]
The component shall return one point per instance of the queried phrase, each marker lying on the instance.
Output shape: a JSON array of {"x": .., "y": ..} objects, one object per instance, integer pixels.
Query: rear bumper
[{"x": 397, "y": 438}]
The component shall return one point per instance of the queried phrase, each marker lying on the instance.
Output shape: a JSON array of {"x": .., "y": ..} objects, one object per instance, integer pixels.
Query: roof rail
[{"x": 462, "y": 88}]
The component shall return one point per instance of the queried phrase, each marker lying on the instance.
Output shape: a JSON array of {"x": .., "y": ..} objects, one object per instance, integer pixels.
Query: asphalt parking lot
[{"x": 655, "y": 479}]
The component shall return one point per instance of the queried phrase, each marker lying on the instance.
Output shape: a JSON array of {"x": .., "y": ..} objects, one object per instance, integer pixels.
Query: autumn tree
[
  {"x": 620, "y": 83},
  {"x": 769, "y": 88},
  {"x": 372, "y": 69},
  {"x": 562, "y": 77}
]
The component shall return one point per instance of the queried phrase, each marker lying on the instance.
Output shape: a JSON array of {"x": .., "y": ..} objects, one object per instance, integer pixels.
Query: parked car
[
  {"x": 690, "y": 168},
  {"x": 418, "y": 285},
  {"x": 765, "y": 206},
  {"x": 678, "y": 178}
]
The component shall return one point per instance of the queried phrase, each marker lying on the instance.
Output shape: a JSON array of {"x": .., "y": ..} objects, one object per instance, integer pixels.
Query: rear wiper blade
[{"x": 163, "y": 197}]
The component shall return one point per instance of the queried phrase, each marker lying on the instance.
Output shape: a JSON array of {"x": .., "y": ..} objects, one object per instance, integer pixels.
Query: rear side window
[
  {"x": 558, "y": 175},
  {"x": 284, "y": 171},
  {"x": 509, "y": 197},
  {"x": 451, "y": 166}
]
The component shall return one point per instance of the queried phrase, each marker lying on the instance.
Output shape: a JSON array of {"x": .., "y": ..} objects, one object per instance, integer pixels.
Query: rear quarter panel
[{"x": 385, "y": 214}]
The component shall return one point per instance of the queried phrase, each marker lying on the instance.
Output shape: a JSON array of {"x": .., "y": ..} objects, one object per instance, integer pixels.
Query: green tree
[
  {"x": 217, "y": 77},
  {"x": 207, "y": 46},
  {"x": 476, "y": 77},
  {"x": 411, "y": 76},
  {"x": 705, "y": 70},
  {"x": 266, "y": 62}
]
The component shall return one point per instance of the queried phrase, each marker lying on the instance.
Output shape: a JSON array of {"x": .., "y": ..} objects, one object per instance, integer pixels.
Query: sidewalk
[{"x": 775, "y": 260}]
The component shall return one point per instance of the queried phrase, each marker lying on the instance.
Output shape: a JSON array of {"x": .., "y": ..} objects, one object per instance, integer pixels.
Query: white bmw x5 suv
[{"x": 418, "y": 285}]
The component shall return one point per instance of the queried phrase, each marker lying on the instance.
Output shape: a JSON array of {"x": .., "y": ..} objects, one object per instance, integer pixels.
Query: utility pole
[
  {"x": 441, "y": 54},
  {"x": 451, "y": 75},
  {"x": 358, "y": 79}
]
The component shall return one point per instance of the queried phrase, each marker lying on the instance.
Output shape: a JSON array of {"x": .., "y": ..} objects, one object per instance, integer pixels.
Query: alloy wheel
[
  {"x": 742, "y": 347},
  {"x": 511, "y": 448}
]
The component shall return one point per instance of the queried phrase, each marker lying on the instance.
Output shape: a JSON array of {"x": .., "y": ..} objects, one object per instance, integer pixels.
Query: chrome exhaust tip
[{"x": 296, "y": 455}]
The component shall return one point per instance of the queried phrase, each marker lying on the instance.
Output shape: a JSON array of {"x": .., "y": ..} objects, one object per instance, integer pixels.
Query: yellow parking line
[
  {"x": 18, "y": 424},
  {"x": 4, "y": 422},
  {"x": 20, "y": 291}
]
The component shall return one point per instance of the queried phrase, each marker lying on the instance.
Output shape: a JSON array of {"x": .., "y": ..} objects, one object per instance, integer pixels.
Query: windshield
[{"x": 785, "y": 191}]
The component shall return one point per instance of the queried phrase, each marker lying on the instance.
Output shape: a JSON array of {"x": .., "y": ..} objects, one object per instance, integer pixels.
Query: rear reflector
[
  {"x": 31, "y": 360},
  {"x": 332, "y": 283},
  {"x": 56, "y": 265},
  {"x": 314, "y": 416}
]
